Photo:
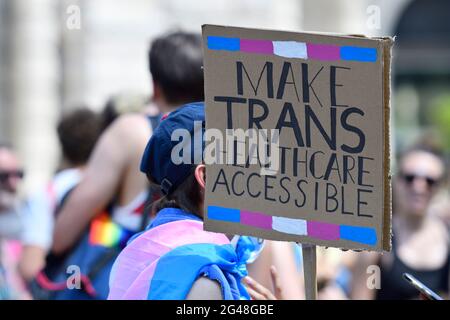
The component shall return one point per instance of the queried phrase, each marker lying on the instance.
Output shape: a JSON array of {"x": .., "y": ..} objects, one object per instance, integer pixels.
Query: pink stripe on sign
[
  {"x": 323, "y": 52},
  {"x": 257, "y": 46},
  {"x": 256, "y": 219},
  {"x": 322, "y": 230}
]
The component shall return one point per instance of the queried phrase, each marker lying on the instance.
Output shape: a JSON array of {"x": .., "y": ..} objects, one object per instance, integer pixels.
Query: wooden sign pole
[{"x": 310, "y": 271}]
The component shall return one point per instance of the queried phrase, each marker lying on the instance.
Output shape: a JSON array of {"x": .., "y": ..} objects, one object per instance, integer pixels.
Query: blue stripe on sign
[
  {"x": 363, "y": 235},
  {"x": 224, "y": 214},
  {"x": 359, "y": 54},
  {"x": 222, "y": 43}
]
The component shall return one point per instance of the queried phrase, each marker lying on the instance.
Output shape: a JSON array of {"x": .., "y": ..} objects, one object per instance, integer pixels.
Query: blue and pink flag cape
[{"x": 164, "y": 261}]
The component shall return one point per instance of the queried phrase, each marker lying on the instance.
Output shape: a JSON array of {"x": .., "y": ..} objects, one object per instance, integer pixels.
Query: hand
[{"x": 258, "y": 292}]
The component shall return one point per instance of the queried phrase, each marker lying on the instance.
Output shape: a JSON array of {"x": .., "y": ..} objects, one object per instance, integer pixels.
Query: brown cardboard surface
[{"x": 239, "y": 198}]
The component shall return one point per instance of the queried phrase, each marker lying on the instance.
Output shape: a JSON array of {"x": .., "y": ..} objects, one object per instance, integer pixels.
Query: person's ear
[{"x": 200, "y": 175}]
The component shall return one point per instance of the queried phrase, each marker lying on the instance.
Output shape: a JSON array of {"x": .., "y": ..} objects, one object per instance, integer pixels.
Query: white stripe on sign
[
  {"x": 290, "y": 49},
  {"x": 288, "y": 225}
]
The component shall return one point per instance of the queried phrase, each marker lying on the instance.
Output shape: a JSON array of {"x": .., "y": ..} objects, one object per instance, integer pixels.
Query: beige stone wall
[{"x": 30, "y": 79}]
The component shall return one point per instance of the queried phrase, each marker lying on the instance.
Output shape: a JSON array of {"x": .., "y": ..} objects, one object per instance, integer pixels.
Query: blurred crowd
[{"x": 99, "y": 200}]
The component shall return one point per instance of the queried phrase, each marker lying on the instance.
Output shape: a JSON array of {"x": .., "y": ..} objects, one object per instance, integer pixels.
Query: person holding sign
[
  {"x": 420, "y": 242},
  {"x": 175, "y": 258}
]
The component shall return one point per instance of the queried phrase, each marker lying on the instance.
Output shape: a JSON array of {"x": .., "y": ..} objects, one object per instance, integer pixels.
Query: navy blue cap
[{"x": 157, "y": 162}]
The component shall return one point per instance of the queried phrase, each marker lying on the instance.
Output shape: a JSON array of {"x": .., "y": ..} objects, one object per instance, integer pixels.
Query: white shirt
[{"x": 38, "y": 212}]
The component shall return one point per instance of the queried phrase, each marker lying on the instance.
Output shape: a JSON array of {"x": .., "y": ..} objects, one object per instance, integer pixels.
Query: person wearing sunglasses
[
  {"x": 11, "y": 227},
  {"x": 11, "y": 175},
  {"x": 420, "y": 242}
]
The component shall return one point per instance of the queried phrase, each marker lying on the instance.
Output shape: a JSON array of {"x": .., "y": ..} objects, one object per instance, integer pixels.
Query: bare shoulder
[
  {"x": 439, "y": 228},
  {"x": 205, "y": 289},
  {"x": 130, "y": 130},
  {"x": 131, "y": 123}
]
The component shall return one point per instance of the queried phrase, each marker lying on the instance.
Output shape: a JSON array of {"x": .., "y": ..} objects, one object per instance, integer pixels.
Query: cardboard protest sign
[{"x": 320, "y": 104}]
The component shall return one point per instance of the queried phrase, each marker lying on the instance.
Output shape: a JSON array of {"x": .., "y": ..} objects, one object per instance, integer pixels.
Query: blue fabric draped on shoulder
[{"x": 178, "y": 269}]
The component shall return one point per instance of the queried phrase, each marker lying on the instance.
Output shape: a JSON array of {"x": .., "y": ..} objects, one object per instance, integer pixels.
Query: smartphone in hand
[{"x": 423, "y": 289}]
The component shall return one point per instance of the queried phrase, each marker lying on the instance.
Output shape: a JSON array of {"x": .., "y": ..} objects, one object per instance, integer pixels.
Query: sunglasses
[
  {"x": 6, "y": 175},
  {"x": 409, "y": 178}
]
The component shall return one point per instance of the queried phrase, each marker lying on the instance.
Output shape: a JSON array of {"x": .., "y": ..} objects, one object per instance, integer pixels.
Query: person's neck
[
  {"x": 410, "y": 222},
  {"x": 165, "y": 107}
]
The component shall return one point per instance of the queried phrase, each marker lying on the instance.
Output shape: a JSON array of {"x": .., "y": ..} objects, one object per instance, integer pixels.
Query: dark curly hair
[{"x": 78, "y": 132}]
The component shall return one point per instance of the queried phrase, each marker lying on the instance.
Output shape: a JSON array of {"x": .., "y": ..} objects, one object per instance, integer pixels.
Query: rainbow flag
[{"x": 105, "y": 232}]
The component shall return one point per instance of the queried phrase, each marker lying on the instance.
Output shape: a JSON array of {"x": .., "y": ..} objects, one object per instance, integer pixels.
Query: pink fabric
[
  {"x": 134, "y": 267},
  {"x": 10, "y": 252}
]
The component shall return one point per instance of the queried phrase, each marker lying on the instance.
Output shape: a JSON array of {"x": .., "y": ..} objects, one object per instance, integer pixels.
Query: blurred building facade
[{"x": 58, "y": 54}]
